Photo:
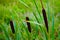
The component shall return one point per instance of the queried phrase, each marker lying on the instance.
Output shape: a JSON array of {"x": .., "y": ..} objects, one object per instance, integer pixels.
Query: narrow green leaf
[
  {"x": 53, "y": 27},
  {"x": 5, "y": 31}
]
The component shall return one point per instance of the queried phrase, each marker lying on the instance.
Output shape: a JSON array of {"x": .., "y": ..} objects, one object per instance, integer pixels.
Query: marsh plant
[{"x": 29, "y": 20}]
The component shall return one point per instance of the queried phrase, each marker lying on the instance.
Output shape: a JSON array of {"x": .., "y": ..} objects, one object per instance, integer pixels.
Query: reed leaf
[
  {"x": 5, "y": 31},
  {"x": 53, "y": 36}
]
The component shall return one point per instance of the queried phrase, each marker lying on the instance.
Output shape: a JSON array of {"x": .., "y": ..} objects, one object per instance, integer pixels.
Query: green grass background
[{"x": 17, "y": 10}]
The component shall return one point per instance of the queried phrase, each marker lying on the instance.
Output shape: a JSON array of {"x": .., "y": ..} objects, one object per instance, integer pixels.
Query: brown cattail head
[
  {"x": 12, "y": 26},
  {"x": 45, "y": 18},
  {"x": 28, "y": 24}
]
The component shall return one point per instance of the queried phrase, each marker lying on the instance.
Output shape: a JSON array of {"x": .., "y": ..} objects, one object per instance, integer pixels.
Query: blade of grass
[
  {"x": 53, "y": 31},
  {"x": 34, "y": 23},
  {"x": 48, "y": 11},
  {"x": 59, "y": 34},
  {"x": 37, "y": 10},
  {"x": 21, "y": 1},
  {"x": 38, "y": 21},
  {"x": 53, "y": 27},
  {"x": 5, "y": 32},
  {"x": 36, "y": 17},
  {"x": 17, "y": 32}
]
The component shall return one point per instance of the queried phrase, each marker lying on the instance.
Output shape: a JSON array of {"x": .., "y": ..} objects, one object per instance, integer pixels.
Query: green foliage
[{"x": 18, "y": 10}]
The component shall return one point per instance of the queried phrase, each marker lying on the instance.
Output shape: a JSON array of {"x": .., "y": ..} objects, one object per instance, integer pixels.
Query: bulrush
[
  {"x": 12, "y": 26},
  {"x": 44, "y": 16},
  {"x": 28, "y": 24}
]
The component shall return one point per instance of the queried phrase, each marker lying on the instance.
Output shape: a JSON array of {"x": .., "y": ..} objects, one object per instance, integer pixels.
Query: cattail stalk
[
  {"x": 12, "y": 26},
  {"x": 28, "y": 24},
  {"x": 44, "y": 16}
]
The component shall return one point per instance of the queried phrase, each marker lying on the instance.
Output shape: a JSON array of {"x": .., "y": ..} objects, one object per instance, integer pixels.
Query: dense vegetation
[{"x": 29, "y": 19}]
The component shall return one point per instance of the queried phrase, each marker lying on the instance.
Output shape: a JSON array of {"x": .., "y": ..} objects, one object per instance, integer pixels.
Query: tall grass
[{"x": 25, "y": 29}]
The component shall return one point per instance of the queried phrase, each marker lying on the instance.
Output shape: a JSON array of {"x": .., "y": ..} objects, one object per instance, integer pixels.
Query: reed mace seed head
[
  {"x": 28, "y": 24},
  {"x": 12, "y": 26},
  {"x": 45, "y": 18}
]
